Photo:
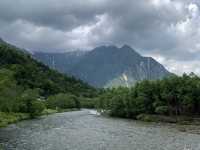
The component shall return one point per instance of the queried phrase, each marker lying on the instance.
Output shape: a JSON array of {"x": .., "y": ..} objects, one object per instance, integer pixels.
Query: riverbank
[
  {"x": 10, "y": 118},
  {"x": 181, "y": 123},
  {"x": 185, "y": 120},
  {"x": 188, "y": 124},
  {"x": 180, "y": 120}
]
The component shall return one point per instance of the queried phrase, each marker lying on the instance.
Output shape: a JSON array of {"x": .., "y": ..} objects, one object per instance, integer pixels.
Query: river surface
[{"x": 84, "y": 130}]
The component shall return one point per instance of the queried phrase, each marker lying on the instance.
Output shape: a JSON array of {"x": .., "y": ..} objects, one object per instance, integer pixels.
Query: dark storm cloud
[
  {"x": 168, "y": 30},
  {"x": 60, "y": 14}
]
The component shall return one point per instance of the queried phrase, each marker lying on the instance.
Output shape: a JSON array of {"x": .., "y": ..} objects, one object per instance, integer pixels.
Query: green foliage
[
  {"x": 146, "y": 118},
  {"x": 88, "y": 102},
  {"x": 8, "y": 118},
  {"x": 63, "y": 101},
  {"x": 9, "y": 92},
  {"x": 30, "y": 103},
  {"x": 170, "y": 96},
  {"x": 30, "y": 73},
  {"x": 161, "y": 110},
  {"x": 49, "y": 111},
  {"x": 156, "y": 118},
  {"x": 13, "y": 98},
  {"x": 25, "y": 84}
]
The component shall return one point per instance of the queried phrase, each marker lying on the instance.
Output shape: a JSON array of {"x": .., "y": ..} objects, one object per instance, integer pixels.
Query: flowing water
[{"x": 86, "y": 130}]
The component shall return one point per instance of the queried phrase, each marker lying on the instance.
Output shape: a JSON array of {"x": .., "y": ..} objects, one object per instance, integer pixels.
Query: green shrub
[
  {"x": 87, "y": 102},
  {"x": 63, "y": 101},
  {"x": 156, "y": 118},
  {"x": 145, "y": 117},
  {"x": 8, "y": 118},
  {"x": 162, "y": 110},
  {"x": 30, "y": 103},
  {"x": 49, "y": 111}
]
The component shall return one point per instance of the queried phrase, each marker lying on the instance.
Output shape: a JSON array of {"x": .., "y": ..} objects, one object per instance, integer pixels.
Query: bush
[
  {"x": 147, "y": 118},
  {"x": 63, "y": 101},
  {"x": 162, "y": 110},
  {"x": 30, "y": 103},
  {"x": 87, "y": 102},
  {"x": 49, "y": 111},
  {"x": 36, "y": 108},
  {"x": 156, "y": 118},
  {"x": 8, "y": 118}
]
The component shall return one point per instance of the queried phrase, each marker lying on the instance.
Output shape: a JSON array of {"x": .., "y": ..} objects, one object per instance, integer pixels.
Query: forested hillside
[
  {"x": 33, "y": 74},
  {"x": 27, "y": 85}
]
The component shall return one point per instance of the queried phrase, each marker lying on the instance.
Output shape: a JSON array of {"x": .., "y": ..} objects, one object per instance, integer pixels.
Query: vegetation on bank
[
  {"x": 173, "y": 96},
  {"x": 8, "y": 118},
  {"x": 29, "y": 89},
  {"x": 18, "y": 102}
]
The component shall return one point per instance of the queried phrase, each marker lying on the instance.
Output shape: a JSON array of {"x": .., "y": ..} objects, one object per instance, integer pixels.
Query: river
[{"x": 83, "y": 130}]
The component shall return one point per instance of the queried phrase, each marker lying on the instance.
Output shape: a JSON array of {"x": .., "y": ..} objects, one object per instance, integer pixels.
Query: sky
[{"x": 167, "y": 30}]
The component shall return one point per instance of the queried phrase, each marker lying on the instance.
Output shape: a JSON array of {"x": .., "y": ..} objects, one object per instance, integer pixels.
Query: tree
[
  {"x": 63, "y": 101},
  {"x": 30, "y": 103},
  {"x": 9, "y": 91},
  {"x": 173, "y": 95}
]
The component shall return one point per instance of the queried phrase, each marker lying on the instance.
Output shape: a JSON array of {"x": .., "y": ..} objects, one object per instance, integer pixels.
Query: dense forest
[
  {"x": 171, "y": 96},
  {"x": 28, "y": 86}
]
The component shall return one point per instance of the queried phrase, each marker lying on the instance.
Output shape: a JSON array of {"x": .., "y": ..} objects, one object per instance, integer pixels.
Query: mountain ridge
[
  {"x": 111, "y": 66},
  {"x": 30, "y": 73}
]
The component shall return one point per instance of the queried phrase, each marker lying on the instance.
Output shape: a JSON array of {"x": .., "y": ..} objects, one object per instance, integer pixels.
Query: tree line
[{"x": 171, "y": 96}]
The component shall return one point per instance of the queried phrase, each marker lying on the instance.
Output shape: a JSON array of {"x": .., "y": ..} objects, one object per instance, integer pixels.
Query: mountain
[
  {"x": 2, "y": 41},
  {"x": 60, "y": 61},
  {"x": 108, "y": 66},
  {"x": 31, "y": 74}
]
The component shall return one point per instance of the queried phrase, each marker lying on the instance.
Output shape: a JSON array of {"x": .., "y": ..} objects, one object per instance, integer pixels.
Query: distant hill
[
  {"x": 106, "y": 66},
  {"x": 30, "y": 73}
]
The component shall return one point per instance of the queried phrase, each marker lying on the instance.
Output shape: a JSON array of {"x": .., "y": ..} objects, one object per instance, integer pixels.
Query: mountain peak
[
  {"x": 125, "y": 46},
  {"x": 105, "y": 47},
  {"x": 128, "y": 49},
  {"x": 110, "y": 66}
]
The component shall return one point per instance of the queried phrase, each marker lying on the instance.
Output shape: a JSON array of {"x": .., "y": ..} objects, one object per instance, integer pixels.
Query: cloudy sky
[{"x": 168, "y": 30}]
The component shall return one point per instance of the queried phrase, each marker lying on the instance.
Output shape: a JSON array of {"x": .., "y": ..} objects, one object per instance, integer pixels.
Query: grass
[
  {"x": 156, "y": 118},
  {"x": 8, "y": 118},
  {"x": 67, "y": 110},
  {"x": 49, "y": 111},
  {"x": 1, "y": 147}
]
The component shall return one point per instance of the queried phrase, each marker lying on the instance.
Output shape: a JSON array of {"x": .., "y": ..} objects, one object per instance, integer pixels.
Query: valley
[{"x": 99, "y": 75}]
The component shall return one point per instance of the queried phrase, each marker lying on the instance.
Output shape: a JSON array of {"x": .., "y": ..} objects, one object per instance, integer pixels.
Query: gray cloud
[{"x": 168, "y": 30}]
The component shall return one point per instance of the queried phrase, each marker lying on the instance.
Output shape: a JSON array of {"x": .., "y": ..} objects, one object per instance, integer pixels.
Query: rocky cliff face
[{"x": 107, "y": 66}]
